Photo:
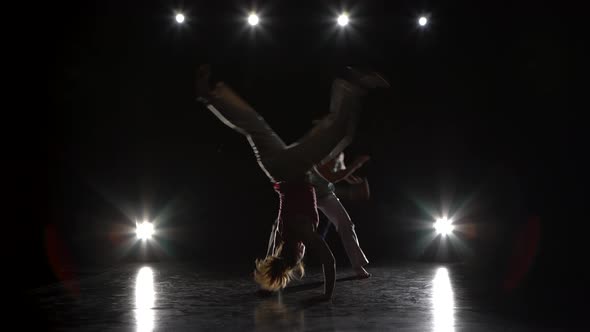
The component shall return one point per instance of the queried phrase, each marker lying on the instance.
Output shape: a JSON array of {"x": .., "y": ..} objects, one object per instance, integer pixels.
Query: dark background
[{"x": 477, "y": 122}]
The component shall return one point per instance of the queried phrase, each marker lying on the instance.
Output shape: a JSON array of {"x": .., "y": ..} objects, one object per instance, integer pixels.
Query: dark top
[{"x": 297, "y": 201}]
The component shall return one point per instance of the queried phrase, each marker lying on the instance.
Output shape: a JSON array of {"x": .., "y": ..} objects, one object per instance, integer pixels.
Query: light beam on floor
[
  {"x": 145, "y": 298},
  {"x": 443, "y": 302}
]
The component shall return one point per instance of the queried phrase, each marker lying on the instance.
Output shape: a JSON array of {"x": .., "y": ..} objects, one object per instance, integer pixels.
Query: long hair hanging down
[{"x": 275, "y": 272}]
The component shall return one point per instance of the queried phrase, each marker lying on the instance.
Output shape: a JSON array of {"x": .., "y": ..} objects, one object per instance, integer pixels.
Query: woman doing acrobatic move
[{"x": 288, "y": 168}]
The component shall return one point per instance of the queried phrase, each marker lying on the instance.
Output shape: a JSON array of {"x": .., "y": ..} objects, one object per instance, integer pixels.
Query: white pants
[
  {"x": 332, "y": 208},
  {"x": 281, "y": 162}
]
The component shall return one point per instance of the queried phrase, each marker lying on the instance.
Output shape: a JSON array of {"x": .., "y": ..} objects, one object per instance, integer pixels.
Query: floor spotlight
[
  {"x": 144, "y": 230},
  {"x": 443, "y": 226}
]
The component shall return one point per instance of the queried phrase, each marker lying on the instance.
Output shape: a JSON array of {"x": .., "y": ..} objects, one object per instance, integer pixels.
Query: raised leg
[
  {"x": 328, "y": 138},
  {"x": 234, "y": 112}
]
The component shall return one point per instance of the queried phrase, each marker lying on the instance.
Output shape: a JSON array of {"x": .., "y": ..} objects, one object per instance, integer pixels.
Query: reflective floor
[{"x": 181, "y": 297}]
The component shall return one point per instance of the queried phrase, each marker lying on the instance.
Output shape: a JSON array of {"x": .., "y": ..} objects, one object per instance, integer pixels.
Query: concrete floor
[{"x": 182, "y": 297}]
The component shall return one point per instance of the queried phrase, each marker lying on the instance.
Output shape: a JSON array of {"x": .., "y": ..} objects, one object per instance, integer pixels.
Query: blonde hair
[{"x": 275, "y": 272}]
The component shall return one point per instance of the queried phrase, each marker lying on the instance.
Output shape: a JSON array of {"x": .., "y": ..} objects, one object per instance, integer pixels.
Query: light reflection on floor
[
  {"x": 273, "y": 314},
  {"x": 443, "y": 302},
  {"x": 188, "y": 297},
  {"x": 145, "y": 297}
]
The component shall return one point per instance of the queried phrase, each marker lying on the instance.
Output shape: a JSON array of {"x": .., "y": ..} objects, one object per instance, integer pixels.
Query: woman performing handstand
[{"x": 288, "y": 167}]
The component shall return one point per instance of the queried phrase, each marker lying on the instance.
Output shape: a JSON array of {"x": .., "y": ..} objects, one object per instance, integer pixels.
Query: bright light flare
[
  {"x": 343, "y": 20},
  {"x": 443, "y": 226},
  {"x": 422, "y": 21},
  {"x": 253, "y": 19},
  {"x": 179, "y": 18},
  {"x": 145, "y": 230}
]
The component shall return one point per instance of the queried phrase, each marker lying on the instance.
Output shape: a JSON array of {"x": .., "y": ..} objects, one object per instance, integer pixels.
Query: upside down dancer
[{"x": 287, "y": 167}]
